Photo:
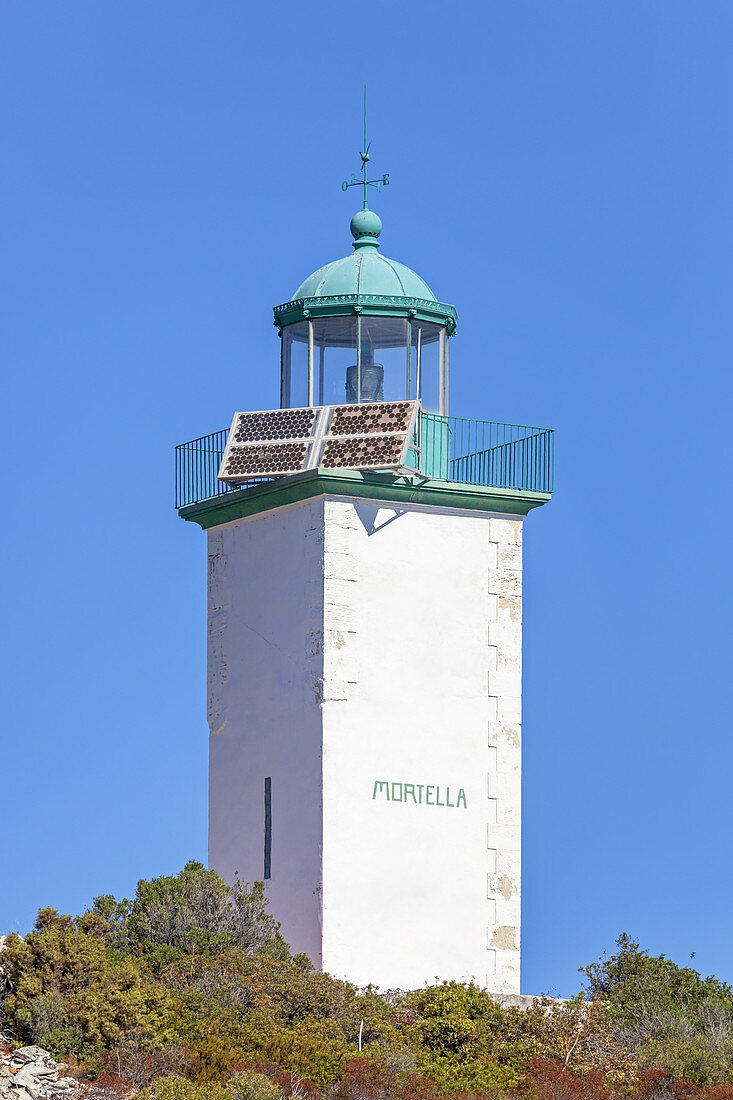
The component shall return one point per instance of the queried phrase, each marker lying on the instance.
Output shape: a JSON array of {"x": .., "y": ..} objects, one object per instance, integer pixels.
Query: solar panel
[
  {"x": 253, "y": 427},
  {"x": 360, "y": 452},
  {"x": 369, "y": 437},
  {"x": 386, "y": 416},
  {"x": 278, "y": 442},
  {"x": 264, "y": 460}
]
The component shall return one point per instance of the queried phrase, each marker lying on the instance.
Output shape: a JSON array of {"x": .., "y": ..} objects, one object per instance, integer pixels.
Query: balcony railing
[
  {"x": 484, "y": 452},
  {"x": 449, "y": 448}
]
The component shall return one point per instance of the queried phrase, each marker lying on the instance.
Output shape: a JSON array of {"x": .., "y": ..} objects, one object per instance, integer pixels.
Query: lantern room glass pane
[
  {"x": 396, "y": 359},
  {"x": 426, "y": 358},
  {"x": 294, "y": 365},
  {"x": 334, "y": 353},
  {"x": 383, "y": 359}
]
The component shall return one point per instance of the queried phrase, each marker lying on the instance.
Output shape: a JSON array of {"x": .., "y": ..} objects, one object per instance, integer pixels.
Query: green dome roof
[
  {"x": 365, "y": 271},
  {"x": 366, "y": 281}
]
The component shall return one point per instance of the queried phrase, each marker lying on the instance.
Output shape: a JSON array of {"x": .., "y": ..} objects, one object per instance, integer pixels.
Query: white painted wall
[
  {"x": 265, "y": 610},
  {"x": 352, "y": 643}
]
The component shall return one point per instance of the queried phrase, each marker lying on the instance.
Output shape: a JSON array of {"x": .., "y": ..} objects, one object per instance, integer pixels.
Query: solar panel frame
[
  {"x": 400, "y": 412},
  {"x": 272, "y": 460},
  {"x": 299, "y": 418},
  {"x": 234, "y": 447},
  {"x": 409, "y": 410},
  {"x": 367, "y": 452},
  {"x": 315, "y": 444}
]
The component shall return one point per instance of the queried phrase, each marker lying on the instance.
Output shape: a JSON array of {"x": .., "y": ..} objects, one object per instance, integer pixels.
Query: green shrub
[
  {"x": 70, "y": 994},
  {"x": 179, "y": 1088},
  {"x": 464, "y": 1039},
  {"x": 248, "y": 1085},
  {"x": 181, "y": 988},
  {"x": 315, "y": 1049},
  {"x": 666, "y": 1017},
  {"x": 195, "y": 911},
  {"x": 631, "y": 979},
  {"x": 243, "y": 1085}
]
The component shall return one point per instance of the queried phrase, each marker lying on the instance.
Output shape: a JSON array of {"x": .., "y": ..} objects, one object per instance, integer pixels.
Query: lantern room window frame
[{"x": 303, "y": 380}]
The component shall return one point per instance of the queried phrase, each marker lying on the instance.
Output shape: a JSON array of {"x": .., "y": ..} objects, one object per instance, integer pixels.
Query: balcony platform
[
  {"x": 482, "y": 465},
  {"x": 393, "y": 489}
]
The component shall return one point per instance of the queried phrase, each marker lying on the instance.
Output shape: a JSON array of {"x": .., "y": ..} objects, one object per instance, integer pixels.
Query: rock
[
  {"x": 32, "y": 1054},
  {"x": 30, "y": 1073},
  {"x": 16, "y": 1094},
  {"x": 25, "y": 1080}
]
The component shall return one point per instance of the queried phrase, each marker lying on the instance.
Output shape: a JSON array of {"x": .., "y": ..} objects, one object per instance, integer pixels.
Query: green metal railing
[
  {"x": 197, "y": 464},
  {"x": 472, "y": 452},
  {"x": 484, "y": 452}
]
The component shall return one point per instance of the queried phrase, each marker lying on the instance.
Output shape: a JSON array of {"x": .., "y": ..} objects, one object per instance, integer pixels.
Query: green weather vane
[{"x": 364, "y": 182}]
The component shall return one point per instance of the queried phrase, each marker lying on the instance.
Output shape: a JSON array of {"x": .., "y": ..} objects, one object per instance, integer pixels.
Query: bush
[
  {"x": 631, "y": 979},
  {"x": 544, "y": 1079},
  {"x": 138, "y": 1059},
  {"x": 315, "y": 1049},
  {"x": 244, "y": 1085},
  {"x": 71, "y": 995},
  {"x": 376, "y": 1079},
  {"x": 195, "y": 911},
  {"x": 465, "y": 1040},
  {"x": 248, "y": 1085},
  {"x": 188, "y": 992},
  {"x": 274, "y": 1010},
  {"x": 107, "y": 1087},
  {"x": 292, "y": 1085},
  {"x": 178, "y": 1088},
  {"x": 671, "y": 1019}
]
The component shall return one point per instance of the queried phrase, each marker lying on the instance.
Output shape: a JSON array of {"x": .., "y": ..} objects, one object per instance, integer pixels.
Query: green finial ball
[{"x": 365, "y": 223}]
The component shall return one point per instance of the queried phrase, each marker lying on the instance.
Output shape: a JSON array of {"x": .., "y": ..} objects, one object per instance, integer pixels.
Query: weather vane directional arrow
[{"x": 364, "y": 182}]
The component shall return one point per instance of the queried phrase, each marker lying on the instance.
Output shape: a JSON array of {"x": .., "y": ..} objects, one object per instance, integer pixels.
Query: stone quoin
[{"x": 365, "y": 624}]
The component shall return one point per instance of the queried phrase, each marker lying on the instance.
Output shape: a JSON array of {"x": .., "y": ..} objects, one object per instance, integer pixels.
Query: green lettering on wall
[{"x": 399, "y": 791}]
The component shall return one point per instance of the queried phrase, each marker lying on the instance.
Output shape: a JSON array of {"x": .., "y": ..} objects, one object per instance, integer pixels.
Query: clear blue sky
[{"x": 562, "y": 172}]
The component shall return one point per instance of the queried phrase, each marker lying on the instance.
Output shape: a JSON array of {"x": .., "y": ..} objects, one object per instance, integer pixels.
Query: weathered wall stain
[{"x": 505, "y": 938}]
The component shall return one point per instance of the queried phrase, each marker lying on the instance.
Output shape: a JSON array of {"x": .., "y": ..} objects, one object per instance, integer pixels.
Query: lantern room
[{"x": 365, "y": 328}]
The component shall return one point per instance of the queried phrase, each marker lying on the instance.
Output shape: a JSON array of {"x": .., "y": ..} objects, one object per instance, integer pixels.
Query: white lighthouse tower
[{"x": 364, "y": 641}]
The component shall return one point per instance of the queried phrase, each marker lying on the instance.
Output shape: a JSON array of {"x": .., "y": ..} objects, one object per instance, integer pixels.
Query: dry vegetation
[{"x": 190, "y": 993}]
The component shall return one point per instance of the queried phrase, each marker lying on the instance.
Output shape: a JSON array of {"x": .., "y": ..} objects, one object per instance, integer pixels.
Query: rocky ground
[{"x": 30, "y": 1073}]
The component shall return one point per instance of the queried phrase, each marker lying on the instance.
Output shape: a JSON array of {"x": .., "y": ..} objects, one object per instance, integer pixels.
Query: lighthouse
[{"x": 365, "y": 635}]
